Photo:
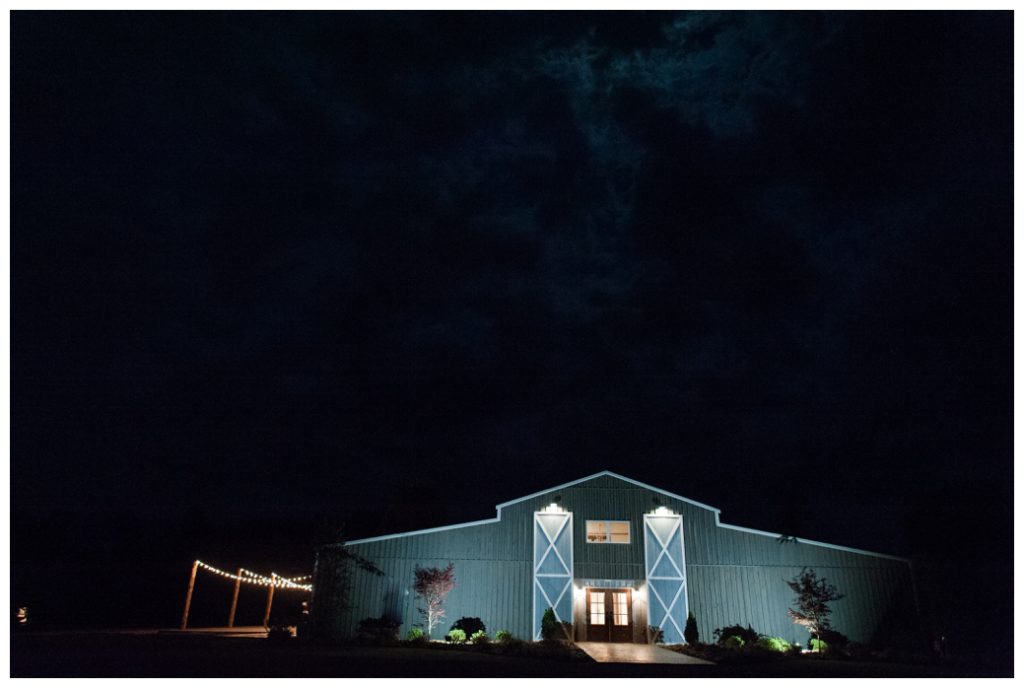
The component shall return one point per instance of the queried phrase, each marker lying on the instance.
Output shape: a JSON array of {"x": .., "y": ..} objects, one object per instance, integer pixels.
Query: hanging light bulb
[{"x": 258, "y": 579}]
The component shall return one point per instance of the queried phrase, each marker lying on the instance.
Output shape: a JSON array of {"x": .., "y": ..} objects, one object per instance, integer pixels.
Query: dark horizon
[{"x": 280, "y": 276}]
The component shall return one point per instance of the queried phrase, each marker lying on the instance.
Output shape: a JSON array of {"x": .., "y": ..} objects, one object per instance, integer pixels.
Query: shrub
[
  {"x": 690, "y": 632},
  {"x": 834, "y": 639},
  {"x": 512, "y": 646},
  {"x": 549, "y": 628},
  {"x": 378, "y": 630},
  {"x": 470, "y": 624},
  {"x": 747, "y": 635},
  {"x": 750, "y": 653},
  {"x": 817, "y": 645},
  {"x": 456, "y": 635},
  {"x": 733, "y": 642},
  {"x": 479, "y": 638},
  {"x": 416, "y": 635},
  {"x": 503, "y": 636},
  {"x": 773, "y": 643}
]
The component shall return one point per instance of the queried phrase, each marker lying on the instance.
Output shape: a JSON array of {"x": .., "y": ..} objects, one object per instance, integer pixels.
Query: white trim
[
  {"x": 569, "y": 573},
  {"x": 613, "y": 475},
  {"x": 683, "y": 587},
  {"x": 717, "y": 512},
  {"x": 805, "y": 541},
  {"x": 424, "y": 531},
  {"x": 607, "y": 531},
  {"x": 551, "y": 544},
  {"x": 531, "y": 496},
  {"x": 533, "y": 578}
]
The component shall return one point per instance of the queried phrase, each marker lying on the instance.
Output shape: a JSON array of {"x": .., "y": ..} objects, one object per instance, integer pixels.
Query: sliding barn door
[
  {"x": 552, "y": 566},
  {"x": 666, "y": 575}
]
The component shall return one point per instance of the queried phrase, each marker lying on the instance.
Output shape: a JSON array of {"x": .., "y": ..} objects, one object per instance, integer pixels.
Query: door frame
[{"x": 625, "y": 635}]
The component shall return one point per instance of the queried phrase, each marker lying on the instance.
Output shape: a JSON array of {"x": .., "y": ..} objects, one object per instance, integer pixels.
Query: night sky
[{"x": 277, "y": 277}]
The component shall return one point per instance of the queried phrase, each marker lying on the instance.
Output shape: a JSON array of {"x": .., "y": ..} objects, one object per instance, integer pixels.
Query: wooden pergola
[{"x": 271, "y": 582}]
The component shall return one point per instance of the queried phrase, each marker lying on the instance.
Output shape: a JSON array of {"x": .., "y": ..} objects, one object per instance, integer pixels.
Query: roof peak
[{"x": 617, "y": 476}]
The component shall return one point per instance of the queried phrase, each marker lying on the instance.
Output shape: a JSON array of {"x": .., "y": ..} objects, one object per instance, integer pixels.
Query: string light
[
  {"x": 276, "y": 576},
  {"x": 254, "y": 578},
  {"x": 278, "y": 581}
]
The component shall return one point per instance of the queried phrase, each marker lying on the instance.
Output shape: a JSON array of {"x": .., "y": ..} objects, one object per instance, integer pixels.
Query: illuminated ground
[{"x": 164, "y": 655}]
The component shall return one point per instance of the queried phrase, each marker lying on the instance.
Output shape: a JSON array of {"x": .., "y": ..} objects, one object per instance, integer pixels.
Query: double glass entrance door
[{"x": 609, "y": 615}]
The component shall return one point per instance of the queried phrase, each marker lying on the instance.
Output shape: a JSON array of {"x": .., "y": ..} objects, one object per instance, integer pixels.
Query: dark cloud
[{"x": 300, "y": 266}]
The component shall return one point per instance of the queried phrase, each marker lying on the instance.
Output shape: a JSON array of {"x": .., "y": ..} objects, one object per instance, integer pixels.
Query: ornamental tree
[
  {"x": 432, "y": 585},
  {"x": 812, "y": 597}
]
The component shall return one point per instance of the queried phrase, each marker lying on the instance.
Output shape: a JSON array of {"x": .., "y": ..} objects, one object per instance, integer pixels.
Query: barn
[{"x": 616, "y": 558}]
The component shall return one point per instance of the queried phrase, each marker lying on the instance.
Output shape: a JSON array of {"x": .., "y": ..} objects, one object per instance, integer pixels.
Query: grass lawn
[{"x": 155, "y": 655}]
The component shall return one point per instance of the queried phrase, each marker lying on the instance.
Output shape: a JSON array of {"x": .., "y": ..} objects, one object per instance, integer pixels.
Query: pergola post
[
  {"x": 234, "y": 600},
  {"x": 270, "y": 601},
  {"x": 188, "y": 595}
]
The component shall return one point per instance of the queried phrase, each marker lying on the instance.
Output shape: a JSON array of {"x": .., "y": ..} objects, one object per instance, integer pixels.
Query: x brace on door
[
  {"x": 552, "y": 566},
  {"x": 663, "y": 553}
]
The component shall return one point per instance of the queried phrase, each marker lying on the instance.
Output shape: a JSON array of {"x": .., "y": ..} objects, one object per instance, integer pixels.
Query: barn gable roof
[
  {"x": 636, "y": 483},
  {"x": 616, "y": 476}
]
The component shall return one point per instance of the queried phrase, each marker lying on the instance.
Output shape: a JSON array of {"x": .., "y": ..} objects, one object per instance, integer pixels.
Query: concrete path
[{"x": 636, "y": 654}]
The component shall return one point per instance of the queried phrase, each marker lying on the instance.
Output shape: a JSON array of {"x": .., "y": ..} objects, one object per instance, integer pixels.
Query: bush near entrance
[
  {"x": 690, "y": 634},
  {"x": 549, "y": 629}
]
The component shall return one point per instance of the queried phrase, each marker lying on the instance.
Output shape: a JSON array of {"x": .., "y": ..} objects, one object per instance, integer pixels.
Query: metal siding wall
[
  {"x": 745, "y": 583},
  {"x": 732, "y": 576},
  {"x": 606, "y": 498},
  {"x": 492, "y": 572}
]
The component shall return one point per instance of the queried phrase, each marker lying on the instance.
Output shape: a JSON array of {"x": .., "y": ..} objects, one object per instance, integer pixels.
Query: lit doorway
[{"x": 609, "y": 615}]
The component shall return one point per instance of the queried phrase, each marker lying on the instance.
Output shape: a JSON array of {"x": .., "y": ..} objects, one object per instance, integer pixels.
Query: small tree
[
  {"x": 812, "y": 597},
  {"x": 432, "y": 585},
  {"x": 549, "y": 625},
  {"x": 690, "y": 634},
  {"x": 334, "y": 571}
]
